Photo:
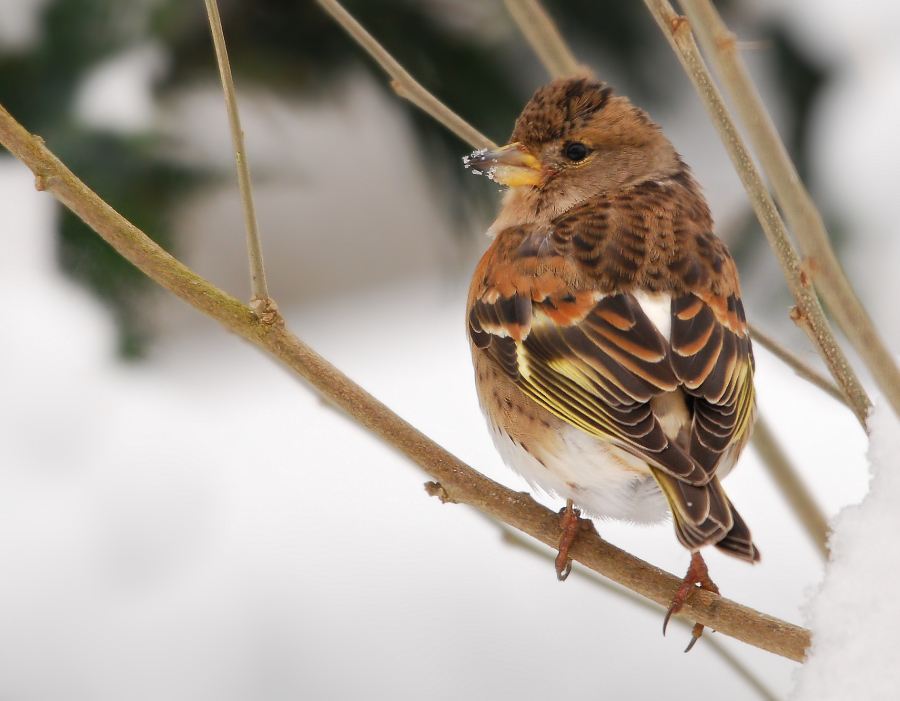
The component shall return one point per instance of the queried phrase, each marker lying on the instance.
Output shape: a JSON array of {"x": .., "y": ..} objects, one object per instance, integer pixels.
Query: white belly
[{"x": 601, "y": 479}]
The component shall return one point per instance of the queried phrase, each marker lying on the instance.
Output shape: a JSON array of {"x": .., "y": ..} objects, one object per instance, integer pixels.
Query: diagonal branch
[
  {"x": 458, "y": 482},
  {"x": 261, "y": 298},
  {"x": 802, "y": 216},
  {"x": 790, "y": 484},
  {"x": 808, "y": 313},
  {"x": 796, "y": 364},
  {"x": 403, "y": 83},
  {"x": 540, "y": 31}
]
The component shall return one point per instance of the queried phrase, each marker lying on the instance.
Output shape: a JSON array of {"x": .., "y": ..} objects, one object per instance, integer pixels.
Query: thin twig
[
  {"x": 801, "y": 213},
  {"x": 796, "y": 363},
  {"x": 511, "y": 537},
  {"x": 541, "y": 32},
  {"x": 403, "y": 83},
  {"x": 791, "y": 485},
  {"x": 257, "y": 271},
  {"x": 808, "y": 313},
  {"x": 458, "y": 481}
]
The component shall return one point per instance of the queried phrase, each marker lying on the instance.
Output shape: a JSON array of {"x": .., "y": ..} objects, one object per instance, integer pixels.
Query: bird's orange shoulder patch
[{"x": 519, "y": 274}]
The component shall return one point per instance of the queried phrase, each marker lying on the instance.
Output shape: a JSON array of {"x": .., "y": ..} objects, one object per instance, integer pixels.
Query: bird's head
[{"x": 575, "y": 140}]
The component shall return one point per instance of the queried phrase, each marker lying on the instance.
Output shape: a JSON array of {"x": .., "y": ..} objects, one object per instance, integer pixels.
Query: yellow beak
[{"x": 510, "y": 165}]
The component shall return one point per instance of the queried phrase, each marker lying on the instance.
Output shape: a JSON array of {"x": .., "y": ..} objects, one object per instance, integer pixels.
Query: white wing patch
[{"x": 658, "y": 308}]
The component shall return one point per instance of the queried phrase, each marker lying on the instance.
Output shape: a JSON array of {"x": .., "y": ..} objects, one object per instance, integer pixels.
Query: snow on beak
[{"x": 510, "y": 165}]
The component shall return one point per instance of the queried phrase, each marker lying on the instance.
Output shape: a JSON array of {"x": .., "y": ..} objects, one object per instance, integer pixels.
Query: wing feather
[{"x": 586, "y": 351}]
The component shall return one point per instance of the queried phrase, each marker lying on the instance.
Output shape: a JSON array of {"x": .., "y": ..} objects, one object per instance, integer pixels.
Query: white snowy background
[{"x": 201, "y": 526}]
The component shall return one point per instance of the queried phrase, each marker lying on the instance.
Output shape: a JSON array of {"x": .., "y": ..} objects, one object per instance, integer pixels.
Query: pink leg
[
  {"x": 697, "y": 574},
  {"x": 571, "y": 522}
]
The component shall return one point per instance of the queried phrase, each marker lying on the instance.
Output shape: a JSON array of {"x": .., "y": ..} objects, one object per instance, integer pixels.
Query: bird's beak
[{"x": 510, "y": 165}]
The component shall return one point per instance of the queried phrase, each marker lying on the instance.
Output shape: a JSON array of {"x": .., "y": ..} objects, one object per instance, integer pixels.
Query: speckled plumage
[{"x": 611, "y": 352}]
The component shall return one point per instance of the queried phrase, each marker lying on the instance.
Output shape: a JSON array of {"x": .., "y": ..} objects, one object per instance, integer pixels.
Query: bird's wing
[
  {"x": 659, "y": 236},
  {"x": 595, "y": 363},
  {"x": 596, "y": 360},
  {"x": 713, "y": 360}
]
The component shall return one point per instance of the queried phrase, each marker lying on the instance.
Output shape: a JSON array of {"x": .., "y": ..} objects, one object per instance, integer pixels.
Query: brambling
[{"x": 612, "y": 356}]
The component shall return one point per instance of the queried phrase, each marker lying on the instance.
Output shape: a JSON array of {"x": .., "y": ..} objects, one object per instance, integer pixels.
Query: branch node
[
  {"x": 266, "y": 311},
  {"x": 680, "y": 25},
  {"x": 801, "y": 320},
  {"x": 41, "y": 182},
  {"x": 727, "y": 42},
  {"x": 807, "y": 270},
  {"x": 436, "y": 489}
]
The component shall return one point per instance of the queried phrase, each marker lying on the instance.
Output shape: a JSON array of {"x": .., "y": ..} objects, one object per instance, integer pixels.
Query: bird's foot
[
  {"x": 697, "y": 574},
  {"x": 571, "y": 523}
]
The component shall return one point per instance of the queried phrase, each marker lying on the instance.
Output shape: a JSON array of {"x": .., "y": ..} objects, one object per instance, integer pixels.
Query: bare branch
[
  {"x": 802, "y": 216},
  {"x": 459, "y": 482},
  {"x": 403, "y": 83},
  {"x": 808, "y": 313},
  {"x": 796, "y": 364},
  {"x": 790, "y": 484},
  {"x": 541, "y": 32},
  {"x": 257, "y": 271}
]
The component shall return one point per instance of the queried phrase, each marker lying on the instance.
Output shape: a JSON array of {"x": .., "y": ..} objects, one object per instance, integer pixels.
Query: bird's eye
[{"x": 576, "y": 151}]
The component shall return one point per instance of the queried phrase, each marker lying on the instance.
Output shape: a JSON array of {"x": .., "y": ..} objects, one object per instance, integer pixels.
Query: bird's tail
[{"x": 703, "y": 515}]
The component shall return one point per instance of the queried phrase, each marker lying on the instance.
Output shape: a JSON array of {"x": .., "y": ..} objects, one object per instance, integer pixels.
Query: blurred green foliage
[
  {"x": 294, "y": 47},
  {"x": 143, "y": 188}
]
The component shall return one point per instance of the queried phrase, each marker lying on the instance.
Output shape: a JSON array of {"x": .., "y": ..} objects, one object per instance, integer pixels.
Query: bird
[{"x": 611, "y": 350}]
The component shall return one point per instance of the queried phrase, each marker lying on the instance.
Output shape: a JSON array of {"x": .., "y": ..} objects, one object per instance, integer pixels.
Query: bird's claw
[
  {"x": 697, "y": 574},
  {"x": 669, "y": 613},
  {"x": 570, "y": 522},
  {"x": 695, "y": 636},
  {"x": 563, "y": 567}
]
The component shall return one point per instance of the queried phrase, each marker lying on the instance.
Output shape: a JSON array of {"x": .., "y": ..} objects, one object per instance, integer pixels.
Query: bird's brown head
[{"x": 575, "y": 140}]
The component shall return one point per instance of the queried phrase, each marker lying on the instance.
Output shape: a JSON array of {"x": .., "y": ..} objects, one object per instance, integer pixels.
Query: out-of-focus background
[{"x": 181, "y": 518}]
